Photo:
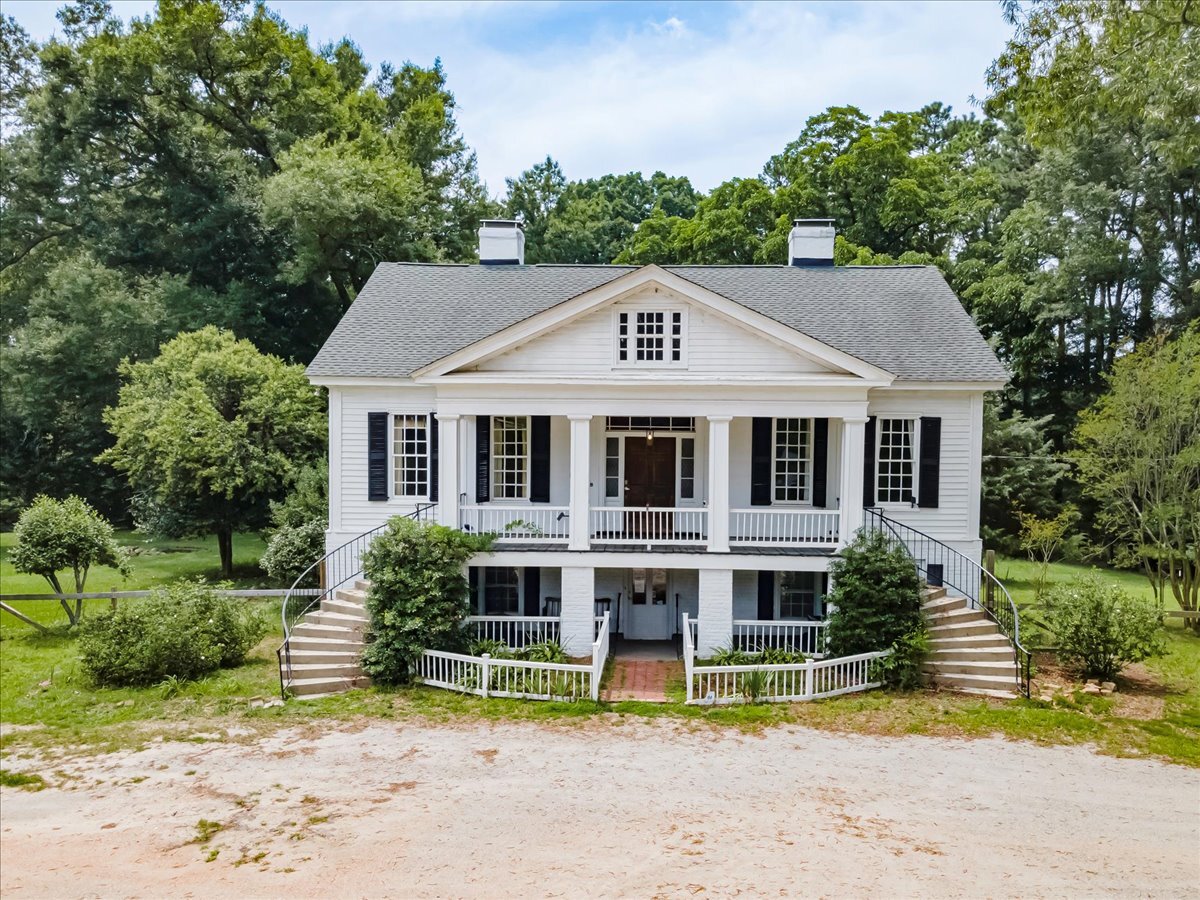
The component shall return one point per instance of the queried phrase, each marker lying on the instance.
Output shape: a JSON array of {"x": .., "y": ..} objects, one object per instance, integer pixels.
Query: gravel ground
[{"x": 629, "y": 808}]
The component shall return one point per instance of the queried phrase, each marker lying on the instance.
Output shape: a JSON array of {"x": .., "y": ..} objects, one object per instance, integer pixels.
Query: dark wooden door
[{"x": 649, "y": 483}]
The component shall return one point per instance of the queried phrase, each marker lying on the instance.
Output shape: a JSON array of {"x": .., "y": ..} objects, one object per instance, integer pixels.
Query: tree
[
  {"x": 209, "y": 431},
  {"x": 1019, "y": 471},
  {"x": 1043, "y": 538},
  {"x": 298, "y": 525},
  {"x": 1137, "y": 450},
  {"x": 55, "y": 535}
]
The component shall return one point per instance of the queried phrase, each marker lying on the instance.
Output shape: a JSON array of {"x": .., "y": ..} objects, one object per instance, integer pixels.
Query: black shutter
[
  {"x": 929, "y": 469},
  {"x": 539, "y": 459},
  {"x": 869, "y": 463},
  {"x": 473, "y": 582},
  {"x": 760, "y": 462},
  {"x": 483, "y": 459},
  {"x": 433, "y": 458},
  {"x": 766, "y": 596},
  {"x": 533, "y": 591},
  {"x": 377, "y": 461},
  {"x": 820, "y": 461}
]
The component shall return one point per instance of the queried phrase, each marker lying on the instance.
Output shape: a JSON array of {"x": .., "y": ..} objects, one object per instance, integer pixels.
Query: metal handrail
[
  {"x": 963, "y": 574},
  {"x": 337, "y": 567}
]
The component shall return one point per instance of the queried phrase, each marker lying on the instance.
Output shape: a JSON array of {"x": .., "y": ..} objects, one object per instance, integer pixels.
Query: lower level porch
[{"x": 743, "y": 608}]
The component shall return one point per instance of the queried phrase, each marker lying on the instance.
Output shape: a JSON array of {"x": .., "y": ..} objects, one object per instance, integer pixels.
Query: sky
[{"x": 707, "y": 90}]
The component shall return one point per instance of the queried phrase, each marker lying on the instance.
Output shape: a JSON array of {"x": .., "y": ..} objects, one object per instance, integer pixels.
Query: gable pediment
[{"x": 701, "y": 335}]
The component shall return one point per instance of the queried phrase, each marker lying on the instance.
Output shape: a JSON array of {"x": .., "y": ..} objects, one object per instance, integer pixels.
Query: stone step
[
  {"x": 324, "y": 641},
  {"x": 355, "y": 623},
  {"x": 955, "y": 614},
  {"x": 943, "y": 604},
  {"x": 351, "y": 595},
  {"x": 952, "y": 641},
  {"x": 976, "y": 682},
  {"x": 941, "y": 629},
  {"x": 345, "y": 608},
  {"x": 933, "y": 593},
  {"x": 361, "y": 584},
  {"x": 311, "y": 688},
  {"x": 345, "y": 671},
  {"x": 999, "y": 653},
  {"x": 308, "y": 628},
  {"x": 997, "y": 669},
  {"x": 346, "y": 657}
]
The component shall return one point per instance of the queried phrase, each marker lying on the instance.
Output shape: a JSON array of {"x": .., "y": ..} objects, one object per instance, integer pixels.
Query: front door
[
  {"x": 649, "y": 486},
  {"x": 649, "y": 609}
]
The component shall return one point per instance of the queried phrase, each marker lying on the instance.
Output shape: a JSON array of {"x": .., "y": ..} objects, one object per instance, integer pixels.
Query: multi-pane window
[
  {"x": 895, "y": 461},
  {"x": 612, "y": 467},
  {"x": 410, "y": 455},
  {"x": 651, "y": 423},
  {"x": 650, "y": 336},
  {"x": 501, "y": 596},
  {"x": 687, "y": 468},
  {"x": 798, "y": 595},
  {"x": 793, "y": 451},
  {"x": 510, "y": 457}
]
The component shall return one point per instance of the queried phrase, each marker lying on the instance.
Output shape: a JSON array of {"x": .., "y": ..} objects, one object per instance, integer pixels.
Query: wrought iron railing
[
  {"x": 331, "y": 572},
  {"x": 942, "y": 565}
]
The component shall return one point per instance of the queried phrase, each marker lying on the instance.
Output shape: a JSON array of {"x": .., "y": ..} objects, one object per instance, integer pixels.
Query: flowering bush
[
  {"x": 1101, "y": 628},
  {"x": 183, "y": 632}
]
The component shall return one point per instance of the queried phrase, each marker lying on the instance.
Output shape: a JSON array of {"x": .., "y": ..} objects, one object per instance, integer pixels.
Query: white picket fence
[
  {"x": 486, "y": 676},
  {"x": 787, "y": 683},
  {"x": 752, "y": 635}
]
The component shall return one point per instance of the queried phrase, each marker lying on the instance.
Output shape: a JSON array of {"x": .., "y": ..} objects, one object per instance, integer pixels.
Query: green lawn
[
  {"x": 44, "y": 694},
  {"x": 155, "y": 562}
]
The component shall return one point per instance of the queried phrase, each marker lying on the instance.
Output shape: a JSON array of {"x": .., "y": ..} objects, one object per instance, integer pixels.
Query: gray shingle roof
[{"x": 903, "y": 319}]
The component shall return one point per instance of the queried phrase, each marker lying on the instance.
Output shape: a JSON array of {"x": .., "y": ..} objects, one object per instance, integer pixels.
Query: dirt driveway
[{"x": 635, "y": 809}]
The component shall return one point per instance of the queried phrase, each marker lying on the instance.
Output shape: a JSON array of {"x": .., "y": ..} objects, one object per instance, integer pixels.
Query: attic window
[{"x": 650, "y": 336}]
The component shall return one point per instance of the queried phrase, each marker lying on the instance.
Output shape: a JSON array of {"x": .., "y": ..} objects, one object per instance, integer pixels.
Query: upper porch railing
[
  {"x": 768, "y": 526},
  {"x": 649, "y": 525},
  {"x": 532, "y": 523}
]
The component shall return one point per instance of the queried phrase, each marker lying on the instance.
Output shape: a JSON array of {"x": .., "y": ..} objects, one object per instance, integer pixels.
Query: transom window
[
  {"x": 793, "y": 460},
  {"x": 501, "y": 594},
  {"x": 894, "y": 461},
  {"x": 510, "y": 457},
  {"x": 410, "y": 455},
  {"x": 649, "y": 336},
  {"x": 650, "y": 423},
  {"x": 798, "y": 595}
]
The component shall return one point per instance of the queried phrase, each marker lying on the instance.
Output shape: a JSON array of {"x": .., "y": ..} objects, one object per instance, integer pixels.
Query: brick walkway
[{"x": 641, "y": 679}]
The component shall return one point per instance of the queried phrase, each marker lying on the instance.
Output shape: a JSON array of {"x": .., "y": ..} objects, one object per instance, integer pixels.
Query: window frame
[
  {"x": 527, "y": 456},
  {"x": 394, "y": 455},
  {"x": 518, "y": 585},
  {"x": 668, "y": 313},
  {"x": 807, "y": 459},
  {"x": 818, "y": 599},
  {"x": 914, "y": 461}
]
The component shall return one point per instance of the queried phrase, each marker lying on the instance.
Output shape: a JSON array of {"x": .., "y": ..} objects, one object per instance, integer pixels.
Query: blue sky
[{"x": 707, "y": 90}]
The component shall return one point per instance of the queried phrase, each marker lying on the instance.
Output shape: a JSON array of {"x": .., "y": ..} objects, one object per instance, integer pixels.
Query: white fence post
[
  {"x": 487, "y": 672},
  {"x": 808, "y": 678}
]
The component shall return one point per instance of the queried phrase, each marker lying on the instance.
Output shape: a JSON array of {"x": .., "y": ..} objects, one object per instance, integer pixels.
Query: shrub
[
  {"x": 419, "y": 596},
  {"x": 1101, "y": 628},
  {"x": 902, "y": 670},
  {"x": 182, "y": 632},
  {"x": 876, "y": 597},
  {"x": 292, "y": 549},
  {"x": 55, "y": 535}
]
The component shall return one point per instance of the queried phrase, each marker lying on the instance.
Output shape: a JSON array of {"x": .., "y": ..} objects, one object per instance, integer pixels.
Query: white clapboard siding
[{"x": 714, "y": 344}]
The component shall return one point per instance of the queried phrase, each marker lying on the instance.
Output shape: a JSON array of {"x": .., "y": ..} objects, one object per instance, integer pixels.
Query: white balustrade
[
  {"x": 753, "y": 635},
  {"x": 649, "y": 525},
  {"x": 530, "y": 524},
  {"x": 515, "y": 632},
  {"x": 768, "y": 526}
]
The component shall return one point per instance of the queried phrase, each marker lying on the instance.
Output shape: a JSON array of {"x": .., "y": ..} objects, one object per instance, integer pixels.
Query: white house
[{"x": 657, "y": 440}]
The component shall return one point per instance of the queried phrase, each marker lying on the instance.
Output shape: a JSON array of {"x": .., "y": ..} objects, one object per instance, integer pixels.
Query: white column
[
  {"x": 581, "y": 436},
  {"x": 715, "y": 611},
  {"x": 718, "y": 483},
  {"x": 851, "y": 492},
  {"x": 448, "y": 489},
  {"x": 578, "y": 617}
]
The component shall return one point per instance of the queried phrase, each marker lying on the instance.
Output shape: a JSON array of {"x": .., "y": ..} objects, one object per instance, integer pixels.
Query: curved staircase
[
  {"x": 323, "y": 650},
  {"x": 968, "y": 652}
]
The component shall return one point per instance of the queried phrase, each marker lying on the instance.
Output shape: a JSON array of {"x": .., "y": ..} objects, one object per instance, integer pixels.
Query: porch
[{"x": 789, "y": 482}]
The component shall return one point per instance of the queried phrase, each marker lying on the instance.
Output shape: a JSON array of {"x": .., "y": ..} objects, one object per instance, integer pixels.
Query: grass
[
  {"x": 47, "y": 704},
  {"x": 154, "y": 563}
]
